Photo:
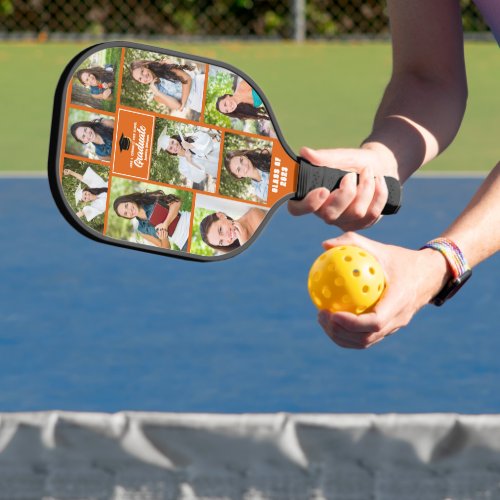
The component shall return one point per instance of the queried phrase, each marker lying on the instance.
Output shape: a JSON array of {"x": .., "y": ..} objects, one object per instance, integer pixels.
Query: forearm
[
  {"x": 173, "y": 210},
  {"x": 75, "y": 175},
  {"x": 159, "y": 242},
  {"x": 415, "y": 121},
  {"x": 477, "y": 230},
  {"x": 186, "y": 89},
  {"x": 424, "y": 103},
  {"x": 168, "y": 101}
]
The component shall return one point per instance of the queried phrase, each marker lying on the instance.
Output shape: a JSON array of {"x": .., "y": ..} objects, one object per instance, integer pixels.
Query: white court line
[
  {"x": 12, "y": 174},
  {"x": 454, "y": 174}
]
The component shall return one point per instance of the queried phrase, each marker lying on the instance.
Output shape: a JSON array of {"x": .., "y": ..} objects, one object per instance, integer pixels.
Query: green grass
[{"x": 323, "y": 94}]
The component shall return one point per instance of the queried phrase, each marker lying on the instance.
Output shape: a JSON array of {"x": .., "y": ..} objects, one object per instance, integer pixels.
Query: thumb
[
  {"x": 349, "y": 238},
  {"x": 339, "y": 157}
]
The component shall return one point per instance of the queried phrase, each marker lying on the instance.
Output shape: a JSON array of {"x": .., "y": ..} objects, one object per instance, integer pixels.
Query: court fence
[{"x": 191, "y": 19}]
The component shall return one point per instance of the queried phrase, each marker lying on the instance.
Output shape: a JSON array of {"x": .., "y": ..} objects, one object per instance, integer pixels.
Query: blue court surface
[{"x": 91, "y": 327}]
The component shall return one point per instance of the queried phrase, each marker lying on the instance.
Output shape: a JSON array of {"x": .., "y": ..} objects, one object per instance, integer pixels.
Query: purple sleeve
[{"x": 490, "y": 9}]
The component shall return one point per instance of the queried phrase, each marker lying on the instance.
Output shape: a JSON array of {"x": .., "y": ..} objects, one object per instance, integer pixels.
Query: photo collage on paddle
[{"x": 166, "y": 151}]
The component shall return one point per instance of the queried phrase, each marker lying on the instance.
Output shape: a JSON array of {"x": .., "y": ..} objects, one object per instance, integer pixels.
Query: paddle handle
[{"x": 312, "y": 177}]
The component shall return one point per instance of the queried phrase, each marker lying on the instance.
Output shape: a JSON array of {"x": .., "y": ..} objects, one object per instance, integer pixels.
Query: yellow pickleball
[{"x": 346, "y": 278}]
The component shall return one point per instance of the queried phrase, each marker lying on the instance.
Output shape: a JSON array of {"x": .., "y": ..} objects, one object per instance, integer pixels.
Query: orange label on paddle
[
  {"x": 134, "y": 140},
  {"x": 282, "y": 175}
]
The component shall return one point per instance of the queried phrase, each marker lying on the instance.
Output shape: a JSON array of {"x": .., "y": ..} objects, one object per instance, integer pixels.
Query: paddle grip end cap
[{"x": 311, "y": 177}]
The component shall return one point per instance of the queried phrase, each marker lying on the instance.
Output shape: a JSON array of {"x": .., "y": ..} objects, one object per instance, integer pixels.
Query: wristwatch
[{"x": 460, "y": 270}]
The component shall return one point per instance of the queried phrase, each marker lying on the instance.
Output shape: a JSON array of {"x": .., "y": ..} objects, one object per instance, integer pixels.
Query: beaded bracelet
[{"x": 460, "y": 269}]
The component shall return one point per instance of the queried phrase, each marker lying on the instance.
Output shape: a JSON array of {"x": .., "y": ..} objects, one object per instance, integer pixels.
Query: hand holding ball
[{"x": 346, "y": 278}]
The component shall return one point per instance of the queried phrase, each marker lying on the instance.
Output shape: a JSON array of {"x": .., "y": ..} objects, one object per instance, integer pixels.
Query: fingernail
[{"x": 323, "y": 194}]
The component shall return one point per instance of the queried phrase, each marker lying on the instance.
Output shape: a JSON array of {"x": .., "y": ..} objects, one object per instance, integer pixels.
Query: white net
[{"x": 153, "y": 456}]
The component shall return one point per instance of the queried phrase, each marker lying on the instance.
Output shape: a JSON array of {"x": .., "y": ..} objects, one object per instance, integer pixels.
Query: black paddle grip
[{"x": 312, "y": 177}]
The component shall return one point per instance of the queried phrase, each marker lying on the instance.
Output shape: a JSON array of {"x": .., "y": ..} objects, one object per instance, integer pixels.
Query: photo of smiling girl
[
  {"x": 95, "y": 81},
  {"x": 86, "y": 189},
  {"x": 186, "y": 155},
  {"x": 98, "y": 81},
  {"x": 172, "y": 86},
  {"x": 221, "y": 226},
  {"x": 90, "y": 135},
  {"x": 150, "y": 215},
  {"x": 247, "y": 166},
  {"x": 232, "y": 103}
]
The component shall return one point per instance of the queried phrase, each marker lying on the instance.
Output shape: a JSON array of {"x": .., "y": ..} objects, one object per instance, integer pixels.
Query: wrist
[
  {"x": 437, "y": 272},
  {"x": 386, "y": 157}
]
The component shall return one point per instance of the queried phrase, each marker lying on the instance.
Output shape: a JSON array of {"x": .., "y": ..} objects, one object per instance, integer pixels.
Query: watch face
[{"x": 451, "y": 288}]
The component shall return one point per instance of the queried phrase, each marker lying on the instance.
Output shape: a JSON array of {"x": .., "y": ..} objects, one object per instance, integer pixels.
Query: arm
[
  {"x": 67, "y": 171},
  {"x": 244, "y": 88},
  {"x": 104, "y": 96},
  {"x": 108, "y": 123},
  {"x": 162, "y": 242},
  {"x": 424, "y": 103},
  {"x": 415, "y": 277},
  {"x": 173, "y": 210},
  {"x": 167, "y": 100},
  {"x": 418, "y": 117},
  {"x": 189, "y": 158},
  {"x": 186, "y": 87}
]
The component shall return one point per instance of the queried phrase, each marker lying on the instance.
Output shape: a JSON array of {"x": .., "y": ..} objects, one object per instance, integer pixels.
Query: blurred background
[{"x": 268, "y": 19}]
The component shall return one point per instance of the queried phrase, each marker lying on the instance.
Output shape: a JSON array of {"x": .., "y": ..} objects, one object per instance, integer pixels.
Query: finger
[
  {"x": 331, "y": 331},
  {"x": 358, "y": 340},
  {"x": 338, "y": 334},
  {"x": 310, "y": 203},
  {"x": 351, "y": 211},
  {"x": 348, "y": 238},
  {"x": 379, "y": 200},
  {"x": 339, "y": 157},
  {"x": 339, "y": 200},
  {"x": 366, "y": 324},
  {"x": 364, "y": 195},
  {"x": 376, "y": 324}
]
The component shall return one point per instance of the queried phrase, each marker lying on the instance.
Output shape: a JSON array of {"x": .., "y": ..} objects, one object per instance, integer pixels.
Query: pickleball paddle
[{"x": 137, "y": 127}]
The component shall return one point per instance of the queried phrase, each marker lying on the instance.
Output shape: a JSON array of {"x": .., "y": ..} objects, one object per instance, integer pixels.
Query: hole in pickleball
[
  {"x": 379, "y": 288},
  {"x": 362, "y": 254},
  {"x": 366, "y": 289},
  {"x": 317, "y": 276},
  {"x": 346, "y": 299},
  {"x": 360, "y": 309},
  {"x": 327, "y": 293},
  {"x": 348, "y": 258},
  {"x": 339, "y": 281},
  {"x": 372, "y": 270},
  {"x": 331, "y": 268},
  {"x": 356, "y": 273}
]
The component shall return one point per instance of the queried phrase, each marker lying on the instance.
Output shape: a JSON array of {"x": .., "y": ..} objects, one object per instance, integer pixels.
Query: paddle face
[{"x": 165, "y": 152}]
